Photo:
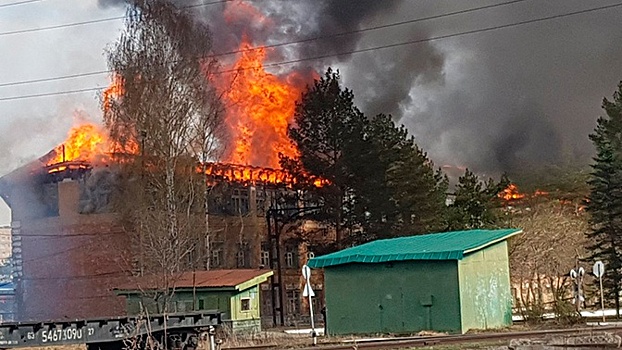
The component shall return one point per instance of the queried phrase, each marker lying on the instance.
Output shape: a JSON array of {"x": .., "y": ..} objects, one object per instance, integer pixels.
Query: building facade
[{"x": 70, "y": 250}]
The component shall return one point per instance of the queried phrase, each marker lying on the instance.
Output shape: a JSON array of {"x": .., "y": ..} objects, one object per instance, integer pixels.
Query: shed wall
[
  {"x": 181, "y": 301},
  {"x": 398, "y": 297},
  {"x": 485, "y": 295},
  {"x": 229, "y": 302}
]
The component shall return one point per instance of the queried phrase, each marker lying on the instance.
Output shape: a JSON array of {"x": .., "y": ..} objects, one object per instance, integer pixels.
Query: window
[
  {"x": 264, "y": 258},
  {"x": 293, "y": 302},
  {"x": 245, "y": 304},
  {"x": 216, "y": 258},
  {"x": 240, "y": 258},
  {"x": 260, "y": 202},
  {"x": 291, "y": 257},
  {"x": 242, "y": 255},
  {"x": 201, "y": 304},
  {"x": 239, "y": 201}
]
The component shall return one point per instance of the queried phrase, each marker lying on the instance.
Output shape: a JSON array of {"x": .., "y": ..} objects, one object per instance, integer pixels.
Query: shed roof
[
  {"x": 238, "y": 279},
  {"x": 435, "y": 246}
]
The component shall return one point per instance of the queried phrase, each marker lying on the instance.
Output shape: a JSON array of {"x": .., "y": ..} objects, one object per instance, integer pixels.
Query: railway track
[{"x": 420, "y": 341}]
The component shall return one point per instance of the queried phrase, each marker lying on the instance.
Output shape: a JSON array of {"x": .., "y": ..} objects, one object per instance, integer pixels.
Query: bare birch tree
[
  {"x": 552, "y": 243},
  {"x": 167, "y": 115}
]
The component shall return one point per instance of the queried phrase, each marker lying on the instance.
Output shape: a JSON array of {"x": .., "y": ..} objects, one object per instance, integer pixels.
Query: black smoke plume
[{"x": 493, "y": 101}]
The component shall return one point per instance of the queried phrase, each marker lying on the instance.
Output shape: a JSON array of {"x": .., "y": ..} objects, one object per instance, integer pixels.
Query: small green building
[
  {"x": 235, "y": 293},
  {"x": 449, "y": 282}
]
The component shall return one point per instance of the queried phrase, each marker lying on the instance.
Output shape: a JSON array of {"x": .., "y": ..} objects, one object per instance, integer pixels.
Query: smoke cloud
[{"x": 493, "y": 101}]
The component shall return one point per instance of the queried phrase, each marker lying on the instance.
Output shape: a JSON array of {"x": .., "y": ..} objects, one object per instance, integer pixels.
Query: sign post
[
  {"x": 599, "y": 270},
  {"x": 577, "y": 278},
  {"x": 308, "y": 292}
]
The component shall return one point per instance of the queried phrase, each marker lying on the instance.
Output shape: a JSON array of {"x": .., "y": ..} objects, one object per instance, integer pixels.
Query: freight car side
[{"x": 176, "y": 331}]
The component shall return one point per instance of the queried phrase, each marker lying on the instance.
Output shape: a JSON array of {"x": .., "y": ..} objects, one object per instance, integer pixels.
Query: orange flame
[
  {"x": 259, "y": 108},
  {"x": 251, "y": 174},
  {"x": 112, "y": 92},
  {"x": 88, "y": 143},
  {"x": 85, "y": 142},
  {"x": 511, "y": 193}
]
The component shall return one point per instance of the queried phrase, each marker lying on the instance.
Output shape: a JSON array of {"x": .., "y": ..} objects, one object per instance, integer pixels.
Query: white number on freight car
[{"x": 55, "y": 335}]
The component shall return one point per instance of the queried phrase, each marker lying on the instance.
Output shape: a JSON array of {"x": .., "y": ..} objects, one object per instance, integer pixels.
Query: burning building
[{"x": 71, "y": 247}]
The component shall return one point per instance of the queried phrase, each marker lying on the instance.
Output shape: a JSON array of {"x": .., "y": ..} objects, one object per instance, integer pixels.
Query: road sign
[
  {"x": 599, "y": 269},
  {"x": 308, "y": 293},
  {"x": 306, "y": 272}
]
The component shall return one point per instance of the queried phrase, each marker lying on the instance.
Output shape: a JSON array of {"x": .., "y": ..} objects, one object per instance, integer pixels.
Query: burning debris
[{"x": 511, "y": 193}]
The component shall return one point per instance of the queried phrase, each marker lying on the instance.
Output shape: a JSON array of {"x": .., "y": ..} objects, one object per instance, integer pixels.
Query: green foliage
[
  {"x": 474, "y": 202},
  {"x": 560, "y": 181},
  {"x": 410, "y": 196},
  {"x": 379, "y": 183},
  {"x": 604, "y": 203},
  {"x": 328, "y": 129}
]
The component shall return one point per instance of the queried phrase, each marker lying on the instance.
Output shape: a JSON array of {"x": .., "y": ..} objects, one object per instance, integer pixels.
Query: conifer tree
[
  {"x": 474, "y": 202},
  {"x": 604, "y": 203},
  {"x": 378, "y": 182},
  {"x": 327, "y": 129}
]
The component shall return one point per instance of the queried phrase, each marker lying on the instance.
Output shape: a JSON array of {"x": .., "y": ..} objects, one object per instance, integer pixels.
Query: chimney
[{"x": 68, "y": 198}]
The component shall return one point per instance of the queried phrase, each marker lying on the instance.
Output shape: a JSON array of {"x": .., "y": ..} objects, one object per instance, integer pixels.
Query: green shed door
[{"x": 391, "y": 313}]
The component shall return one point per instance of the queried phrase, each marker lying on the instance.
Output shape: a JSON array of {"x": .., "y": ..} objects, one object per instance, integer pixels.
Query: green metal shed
[
  {"x": 235, "y": 293},
  {"x": 450, "y": 282}
]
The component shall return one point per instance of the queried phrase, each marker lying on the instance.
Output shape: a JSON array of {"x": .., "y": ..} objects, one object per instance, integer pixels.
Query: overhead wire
[
  {"x": 95, "y": 21},
  {"x": 375, "y": 48},
  {"x": 79, "y": 75},
  {"x": 19, "y": 3}
]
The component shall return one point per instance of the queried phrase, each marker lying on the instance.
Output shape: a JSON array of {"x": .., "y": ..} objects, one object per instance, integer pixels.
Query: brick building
[{"x": 70, "y": 251}]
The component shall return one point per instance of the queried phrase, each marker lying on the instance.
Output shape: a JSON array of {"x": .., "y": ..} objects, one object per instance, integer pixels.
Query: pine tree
[
  {"x": 378, "y": 182},
  {"x": 474, "y": 203},
  {"x": 409, "y": 197},
  {"x": 328, "y": 127},
  {"x": 604, "y": 203}
]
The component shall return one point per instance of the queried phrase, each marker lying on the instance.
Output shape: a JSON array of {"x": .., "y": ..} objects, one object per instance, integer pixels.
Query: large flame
[
  {"x": 259, "y": 108},
  {"x": 86, "y": 142}
]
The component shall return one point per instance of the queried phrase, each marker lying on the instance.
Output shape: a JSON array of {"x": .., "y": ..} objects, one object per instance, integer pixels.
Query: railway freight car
[{"x": 170, "y": 332}]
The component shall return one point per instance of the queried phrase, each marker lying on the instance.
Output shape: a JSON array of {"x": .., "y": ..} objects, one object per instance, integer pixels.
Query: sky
[{"x": 521, "y": 95}]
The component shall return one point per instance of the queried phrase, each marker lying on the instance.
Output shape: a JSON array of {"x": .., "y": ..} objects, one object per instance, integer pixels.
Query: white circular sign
[{"x": 599, "y": 269}]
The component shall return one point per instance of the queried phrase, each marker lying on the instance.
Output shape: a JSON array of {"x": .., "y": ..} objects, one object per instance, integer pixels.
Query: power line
[
  {"x": 382, "y": 47},
  {"x": 66, "y": 92},
  {"x": 58, "y": 26},
  {"x": 384, "y": 26},
  {"x": 19, "y": 3},
  {"x": 284, "y": 43},
  {"x": 78, "y": 75},
  {"x": 101, "y": 20}
]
